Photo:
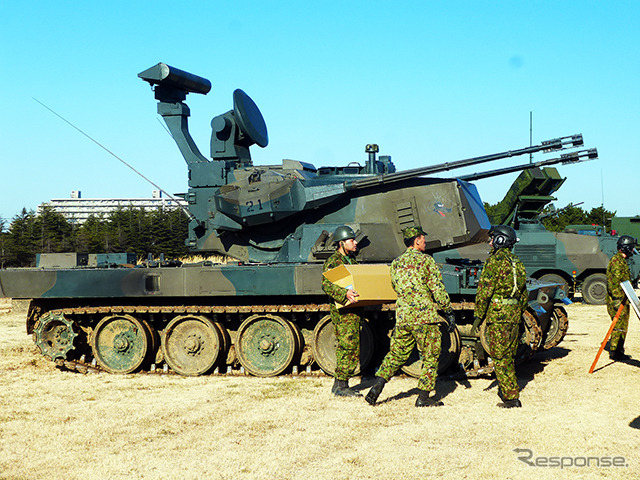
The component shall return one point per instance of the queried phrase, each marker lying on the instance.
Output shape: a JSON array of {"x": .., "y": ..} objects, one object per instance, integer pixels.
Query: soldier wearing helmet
[
  {"x": 501, "y": 299},
  {"x": 418, "y": 282},
  {"x": 345, "y": 322},
  {"x": 618, "y": 272}
]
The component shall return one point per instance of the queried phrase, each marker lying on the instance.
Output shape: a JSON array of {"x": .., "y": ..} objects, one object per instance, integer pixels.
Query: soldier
[
  {"x": 618, "y": 272},
  {"x": 345, "y": 322},
  {"x": 501, "y": 300},
  {"x": 418, "y": 282}
]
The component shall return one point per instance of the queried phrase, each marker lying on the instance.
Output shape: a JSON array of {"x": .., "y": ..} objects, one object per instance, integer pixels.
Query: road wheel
[
  {"x": 324, "y": 346},
  {"x": 594, "y": 289},
  {"x": 267, "y": 345},
  {"x": 192, "y": 345},
  {"x": 120, "y": 343}
]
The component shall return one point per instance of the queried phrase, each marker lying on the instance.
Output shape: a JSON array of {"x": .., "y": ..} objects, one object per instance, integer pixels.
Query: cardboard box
[{"x": 372, "y": 282}]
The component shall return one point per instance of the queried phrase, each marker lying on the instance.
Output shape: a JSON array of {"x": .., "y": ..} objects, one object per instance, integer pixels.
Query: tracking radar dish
[{"x": 249, "y": 118}]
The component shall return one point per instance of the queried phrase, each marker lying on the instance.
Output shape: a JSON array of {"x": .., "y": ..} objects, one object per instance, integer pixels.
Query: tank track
[
  {"x": 302, "y": 369},
  {"x": 82, "y": 366},
  {"x": 82, "y": 319}
]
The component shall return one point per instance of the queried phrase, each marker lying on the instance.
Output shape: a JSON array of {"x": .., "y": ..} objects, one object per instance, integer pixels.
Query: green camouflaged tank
[{"x": 264, "y": 312}]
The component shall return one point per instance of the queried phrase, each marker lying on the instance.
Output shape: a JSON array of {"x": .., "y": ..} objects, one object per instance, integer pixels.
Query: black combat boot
[
  {"x": 341, "y": 389},
  {"x": 376, "y": 390},
  {"x": 423, "y": 400},
  {"x": 514, "y": 403},
  {"x": 618, "y": 354}
]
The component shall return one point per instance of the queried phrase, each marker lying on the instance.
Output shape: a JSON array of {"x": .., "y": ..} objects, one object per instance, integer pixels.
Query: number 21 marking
[{"x": 250, "y": 205}]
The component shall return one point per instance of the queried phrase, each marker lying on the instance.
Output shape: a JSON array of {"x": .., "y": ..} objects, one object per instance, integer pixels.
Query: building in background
[{"x": 77, "y": 209}]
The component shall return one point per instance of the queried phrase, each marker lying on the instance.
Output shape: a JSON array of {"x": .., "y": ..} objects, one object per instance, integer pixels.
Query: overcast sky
[{"x": 429, "y": 82}]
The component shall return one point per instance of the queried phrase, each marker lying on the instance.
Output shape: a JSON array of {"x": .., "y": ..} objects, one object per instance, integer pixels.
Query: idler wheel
[
  {"x": 54, "y": 335},
  {"x": 449, "y": 352},
  {"x": 192, "y": 345},
  {"x": 267, "y": 345},
  {"x": 120, "y": 343},
  {"x": 530, "y": 337},
  {"x": 324, "y": 346},
  {"x": 557, "y": 328}
]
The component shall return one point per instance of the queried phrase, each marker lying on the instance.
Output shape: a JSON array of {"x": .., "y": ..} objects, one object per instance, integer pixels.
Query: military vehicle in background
[
  {"x": 626, "y": 226},
  {"x": 264, "y": 312},
  {"x": 576, "y": 257}
]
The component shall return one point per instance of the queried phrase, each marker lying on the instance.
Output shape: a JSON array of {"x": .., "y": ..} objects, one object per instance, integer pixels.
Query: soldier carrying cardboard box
[{"x": 347, "y": 322}]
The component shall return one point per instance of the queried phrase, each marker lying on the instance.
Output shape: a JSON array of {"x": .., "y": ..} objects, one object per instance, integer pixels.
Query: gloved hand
[
  {"x": 451, "y": 320},
  {"x": 476, "y": 325}
]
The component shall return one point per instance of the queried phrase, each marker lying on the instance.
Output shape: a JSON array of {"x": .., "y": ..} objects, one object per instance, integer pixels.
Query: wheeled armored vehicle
[{"x": 576, "y": 258}]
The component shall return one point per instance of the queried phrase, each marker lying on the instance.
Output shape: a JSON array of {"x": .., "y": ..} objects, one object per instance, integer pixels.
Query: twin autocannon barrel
[
  {"x": 565, "y": 159},
  {"x": 555, "y": 144}
]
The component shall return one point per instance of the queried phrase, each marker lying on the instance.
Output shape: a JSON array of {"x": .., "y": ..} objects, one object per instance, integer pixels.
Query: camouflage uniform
[
  {"x": 418, "y": 282},
  {"x": 501, "y": 299},
  {"x": 345, "y": 322},
  {"x": 617, "y": 272}
]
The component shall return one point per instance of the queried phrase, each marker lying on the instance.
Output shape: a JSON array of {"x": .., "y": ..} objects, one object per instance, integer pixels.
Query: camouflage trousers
[
  {"x": 427, "y": 338},
  {"x": 620, "y": 330},
  {"x": 347, "y": 328},
  {"x": 503, "y": 342}
]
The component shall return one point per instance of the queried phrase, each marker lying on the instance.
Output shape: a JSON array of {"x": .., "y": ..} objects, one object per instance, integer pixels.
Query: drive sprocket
[{"x": 53, "y": 334}]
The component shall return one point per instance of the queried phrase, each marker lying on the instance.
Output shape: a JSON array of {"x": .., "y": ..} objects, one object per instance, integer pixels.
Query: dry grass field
[{"x": 62, "y": 425}]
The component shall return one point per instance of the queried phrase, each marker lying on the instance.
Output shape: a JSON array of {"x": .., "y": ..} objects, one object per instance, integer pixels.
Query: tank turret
[{"x": 284, "y": 213}]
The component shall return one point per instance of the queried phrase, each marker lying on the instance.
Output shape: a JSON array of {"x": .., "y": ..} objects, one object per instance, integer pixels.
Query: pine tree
[
  {"x": 600, "y": 216},
  {"x": 93, "y": 235},
  {"x": 52, "y": 232},
  {"x": 20, "y": 240}
]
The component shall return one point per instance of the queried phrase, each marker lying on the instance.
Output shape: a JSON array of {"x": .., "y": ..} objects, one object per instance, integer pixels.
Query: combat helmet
[
  {"x": 627, "y": 245},
  {"x": 343, "y": 233},
  {"x": 503, "y": 236}
]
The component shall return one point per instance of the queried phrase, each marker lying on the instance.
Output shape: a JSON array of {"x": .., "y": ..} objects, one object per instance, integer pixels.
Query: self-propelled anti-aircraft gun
[{"x": 265, "y": 313}]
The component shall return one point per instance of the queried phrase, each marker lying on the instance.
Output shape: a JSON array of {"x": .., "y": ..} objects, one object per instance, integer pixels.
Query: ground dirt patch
[{"x": 63, "y": 425}]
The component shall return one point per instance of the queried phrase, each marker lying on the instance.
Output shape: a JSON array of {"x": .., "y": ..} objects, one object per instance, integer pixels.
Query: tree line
[
  {"x": 140, "y": 231},
  {"x": 131, "y": 230}
]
